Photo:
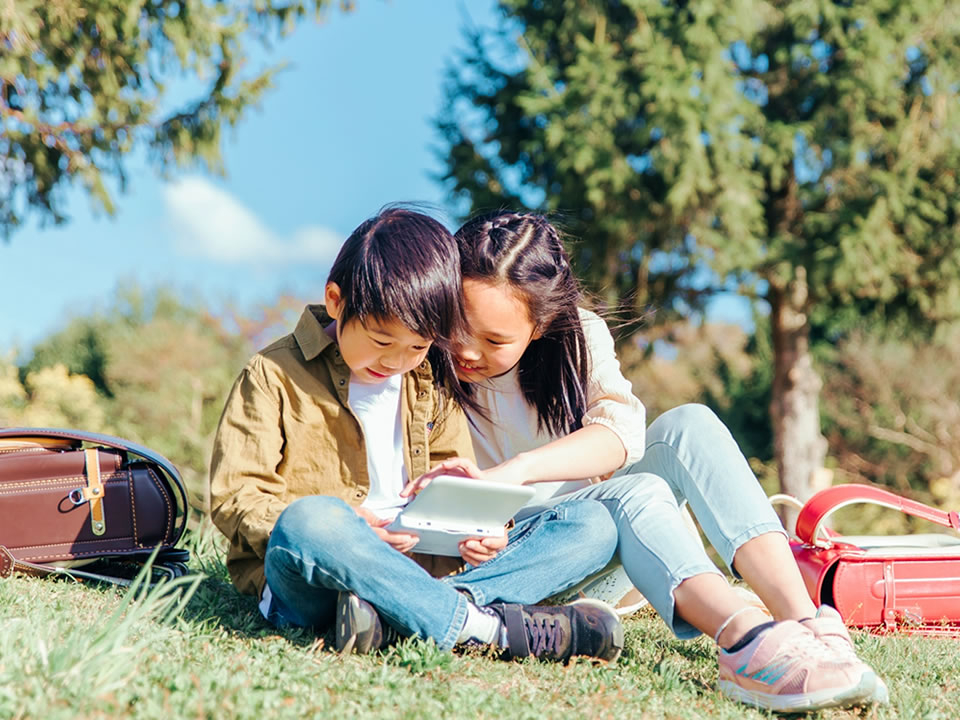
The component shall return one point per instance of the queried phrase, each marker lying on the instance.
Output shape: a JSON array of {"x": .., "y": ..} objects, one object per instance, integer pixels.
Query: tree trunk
[
  {"x": 611, "y": 268},
  {"x": 799, "y": 447}
]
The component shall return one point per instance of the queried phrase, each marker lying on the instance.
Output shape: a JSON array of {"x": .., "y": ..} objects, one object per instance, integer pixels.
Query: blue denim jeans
[
  {"x": 691, "y": 457},
  {"x": 320, "y": 546}
]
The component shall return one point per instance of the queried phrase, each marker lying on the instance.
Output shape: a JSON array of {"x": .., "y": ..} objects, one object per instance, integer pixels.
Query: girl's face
[{"x": 500, "y": 329}]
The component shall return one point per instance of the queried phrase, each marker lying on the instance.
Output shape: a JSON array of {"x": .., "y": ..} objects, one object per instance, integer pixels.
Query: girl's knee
[
  {"x": 690, "y": 424},
  {"x": 691, "y": 415},
  {"x": 591, "y": 517},
  {"x": 633, "y": 492}
]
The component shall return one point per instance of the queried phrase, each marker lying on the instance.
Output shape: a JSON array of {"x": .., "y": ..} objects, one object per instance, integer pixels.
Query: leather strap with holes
[{"x": 94, "y": 492}]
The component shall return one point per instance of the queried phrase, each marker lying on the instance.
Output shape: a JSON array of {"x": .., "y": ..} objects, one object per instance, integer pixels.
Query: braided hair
[{"x": 526, "y": 252}]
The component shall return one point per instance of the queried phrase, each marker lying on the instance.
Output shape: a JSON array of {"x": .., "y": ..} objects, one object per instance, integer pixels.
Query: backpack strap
[
  {"x": 167, "y": 565},
  {"x": 110, "y": 441},
  {"x": 823, "y": 504},
  {"x": 7, "y": 562}
]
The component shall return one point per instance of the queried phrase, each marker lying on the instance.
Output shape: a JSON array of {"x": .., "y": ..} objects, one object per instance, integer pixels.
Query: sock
[
  {"x": 482, "y": 626},
  {"x": 749, "y": 636}
]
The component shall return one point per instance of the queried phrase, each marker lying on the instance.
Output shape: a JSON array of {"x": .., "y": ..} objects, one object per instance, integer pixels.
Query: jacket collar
[{"x": 310, "y": 334}]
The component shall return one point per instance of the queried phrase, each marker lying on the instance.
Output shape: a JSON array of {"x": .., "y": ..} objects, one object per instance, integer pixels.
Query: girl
[{"x": 555, "y": 407}]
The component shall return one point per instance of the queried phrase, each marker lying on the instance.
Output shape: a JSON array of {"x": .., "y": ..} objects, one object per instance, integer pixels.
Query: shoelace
[
  {"x": 840, "y": 646},
  {"x": 546, "y": 635},
  {"x": 834, "y": 639},
  {"x": 808, "y": 645}
]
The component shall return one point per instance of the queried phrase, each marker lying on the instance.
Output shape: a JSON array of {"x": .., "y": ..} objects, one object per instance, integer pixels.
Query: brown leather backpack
[{"x": 87, "y": 505}]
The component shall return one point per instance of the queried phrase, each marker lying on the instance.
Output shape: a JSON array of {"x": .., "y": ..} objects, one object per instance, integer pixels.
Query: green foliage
[
  {"x": 757, "y": 137},
  {"x": 418, "y": 656},
  {"x": 79, "y": 348},
  {"x": 84, "y": 84},
  {"x": 49, "y": 397},
  {"x": 892, "y": 413},
  {"x": 889, "y": 408},
  {"x": 745, "y": 405},
  {"x": 715, "y": 364},
  {"x": 162, "y": 367},
  {"x": 804, "y": 153}
]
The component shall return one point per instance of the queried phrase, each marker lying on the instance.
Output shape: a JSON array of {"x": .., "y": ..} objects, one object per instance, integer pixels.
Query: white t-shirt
[
  {"x": 377, "y": 407},
  {"x": 512, "y": 424}
]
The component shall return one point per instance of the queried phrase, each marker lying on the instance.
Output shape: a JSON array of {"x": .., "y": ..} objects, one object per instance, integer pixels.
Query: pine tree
[
  {"x": 83, "y": 84},
  {"x": 803, "y": 151}
]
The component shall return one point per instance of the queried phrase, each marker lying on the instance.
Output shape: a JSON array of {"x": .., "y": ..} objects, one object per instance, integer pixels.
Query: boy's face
[{"x": 377, "y": 350}]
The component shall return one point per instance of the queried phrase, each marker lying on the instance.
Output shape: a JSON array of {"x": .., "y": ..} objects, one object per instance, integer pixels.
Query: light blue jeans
[
  {"x": 691, "y": 457},
  {"x": 320, "y": 546}
]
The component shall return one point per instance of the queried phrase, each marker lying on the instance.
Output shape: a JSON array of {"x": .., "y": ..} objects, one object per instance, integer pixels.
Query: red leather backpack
[{"x": 907, "y": 583}]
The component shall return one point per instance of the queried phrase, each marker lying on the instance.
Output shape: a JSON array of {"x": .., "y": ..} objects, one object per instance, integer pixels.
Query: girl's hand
[
  {"x": 401, "y": 542},
  {"x": 479, "y": 550},
  {"x": 465, "y": 467}
]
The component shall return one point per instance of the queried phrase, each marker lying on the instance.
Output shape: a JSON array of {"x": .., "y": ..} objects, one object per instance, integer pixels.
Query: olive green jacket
[{"x": 287, "y": 431}]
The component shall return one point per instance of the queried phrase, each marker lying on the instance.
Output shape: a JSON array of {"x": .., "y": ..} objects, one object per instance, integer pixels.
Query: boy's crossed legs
[{"x": 320, "y": 548}]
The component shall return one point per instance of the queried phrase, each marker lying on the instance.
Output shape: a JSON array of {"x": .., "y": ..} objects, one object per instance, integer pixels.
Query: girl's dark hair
[
  {"x": 526, "y": 252},
  {"x": 401, "y": 265}
]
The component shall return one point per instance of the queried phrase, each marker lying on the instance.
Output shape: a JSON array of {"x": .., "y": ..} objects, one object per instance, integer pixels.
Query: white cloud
[{"x": 213, "y": 224}]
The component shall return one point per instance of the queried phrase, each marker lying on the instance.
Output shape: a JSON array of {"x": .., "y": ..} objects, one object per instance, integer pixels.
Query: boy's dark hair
[
  {"x": 526, "y": 252},
  {"x": 402, "y": 265}
]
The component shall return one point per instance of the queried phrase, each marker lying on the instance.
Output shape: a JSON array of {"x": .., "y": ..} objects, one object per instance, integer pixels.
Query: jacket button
[
  {"x": 342, "y": 382},
  {"x": 421, "y": 395},
  {"x": 416, "y": 451}
]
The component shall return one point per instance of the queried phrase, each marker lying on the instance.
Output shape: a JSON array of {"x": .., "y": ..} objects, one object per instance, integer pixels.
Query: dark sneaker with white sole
[
  {"x": 359, "y": 628},
  {"x": 589, "y": 628}
]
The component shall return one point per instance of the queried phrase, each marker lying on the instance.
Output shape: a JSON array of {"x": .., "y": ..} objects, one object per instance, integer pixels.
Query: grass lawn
[{"x": 71, "y": 651}]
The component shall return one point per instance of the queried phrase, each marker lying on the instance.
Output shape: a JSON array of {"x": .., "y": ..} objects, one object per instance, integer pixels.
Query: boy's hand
[
  {"x": 401, "y": 542},
  {"x": 479, "y": 550},
  {"x": 464, "y": 467}
]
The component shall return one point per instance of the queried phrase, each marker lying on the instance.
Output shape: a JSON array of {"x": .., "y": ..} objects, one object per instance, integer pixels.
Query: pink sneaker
[
  {"x": 787, "y": 669},
  {"x": 829, "y": 629}
]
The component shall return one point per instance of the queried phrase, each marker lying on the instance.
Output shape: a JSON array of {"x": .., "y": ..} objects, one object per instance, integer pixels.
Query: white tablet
[{"x": 452, "y": 508}]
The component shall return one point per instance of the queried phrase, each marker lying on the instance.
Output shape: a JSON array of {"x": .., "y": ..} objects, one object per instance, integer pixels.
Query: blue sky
[{"x": 347, "y": 129}]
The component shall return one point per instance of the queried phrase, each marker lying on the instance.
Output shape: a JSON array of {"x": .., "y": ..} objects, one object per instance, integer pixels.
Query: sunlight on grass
[
  {"x": 194, "y": 647},
  {"x": 67, "y": 658}
]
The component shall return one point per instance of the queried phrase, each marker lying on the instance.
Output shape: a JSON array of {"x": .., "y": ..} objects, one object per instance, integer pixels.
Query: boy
[{"x": 322, "y": 430}]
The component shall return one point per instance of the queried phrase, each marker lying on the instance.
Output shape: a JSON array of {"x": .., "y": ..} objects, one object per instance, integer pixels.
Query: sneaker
[
  {"x": 787, "y": 669},
  {"x": 611, "y": 585},
  {"x": 632, "y": 602},
  {"x": 827, "y": 625},
  {"x": 359, "y": 628},
  {"x": 558, "y": 632}
]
